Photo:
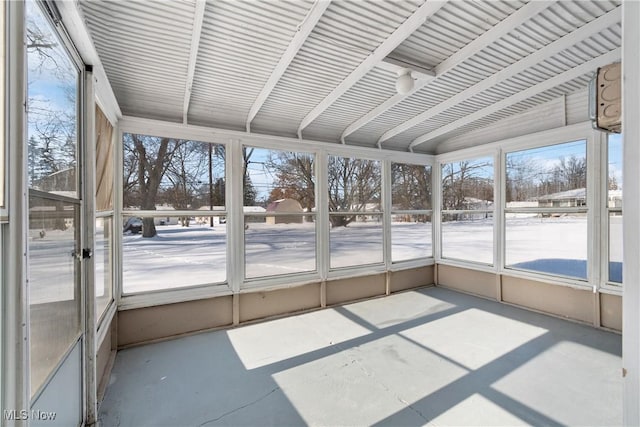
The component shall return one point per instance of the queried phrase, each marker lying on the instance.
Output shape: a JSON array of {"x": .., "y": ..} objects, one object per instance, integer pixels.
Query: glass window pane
[
  {"x": 354, "y": 186},
  {"x": 410, "y": 237},
  {"x": 547, "y": 243},
  {"x": 52, "y": 105},
  {"x": 54, "y": 294},
  {"x": 104, "y": 162},
  {"x": 277, "y": 245},
  {"x": 468, "y": 237},
  {"x": 282, "y": 185},
  {"x": 468, "y": 184},
  {"x": 172, "y": 174},
  {"x": 358, "y": 243},
  {"x": 545, "y": 177},
  {"x": 185, "y": 252},
  {"x": 271, "y": 177},
  {"x": 614, "y": 183},
  {"x": 410, "y": 186},
  {"x": 615, "y": 247},
  {"x": 102, "y": 264}
]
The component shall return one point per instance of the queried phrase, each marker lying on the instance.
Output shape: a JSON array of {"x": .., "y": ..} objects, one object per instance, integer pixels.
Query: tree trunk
[{"x": 148, "y": 227}]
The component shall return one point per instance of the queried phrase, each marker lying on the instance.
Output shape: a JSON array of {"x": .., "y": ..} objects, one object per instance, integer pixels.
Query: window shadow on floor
[{"x": 430, "y": 355}]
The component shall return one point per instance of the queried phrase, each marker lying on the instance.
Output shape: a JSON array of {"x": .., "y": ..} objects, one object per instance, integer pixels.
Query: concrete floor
[{"x": 425, "y": 357}]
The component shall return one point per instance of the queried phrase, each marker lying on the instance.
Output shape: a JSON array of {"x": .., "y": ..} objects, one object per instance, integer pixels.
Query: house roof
[{"x": 578, "y": 193}]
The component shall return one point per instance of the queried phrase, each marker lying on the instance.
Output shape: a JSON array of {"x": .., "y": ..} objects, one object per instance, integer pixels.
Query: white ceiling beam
[
  {"x": 561, "y": 78},
  {"x": 601, "y": 23},
  {"x": 494, "y": 34},
  {"x": 303, "y": 31},
  {"x": 417, "y": 71},
  {"x": 74, "y": 23},
  {"x": 502, "y": 28},
  {"x": 415, "y": 21},
  {"x": 198, "y": 17}
]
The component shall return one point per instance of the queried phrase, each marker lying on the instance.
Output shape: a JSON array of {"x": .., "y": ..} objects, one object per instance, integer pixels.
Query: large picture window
[
  {"x": 279, "y": 212},
  {"x": 614, "y": 208},
  {"x": 546, "y": 210},
  {"x": 467, "y": 210},
  {"x": 410, "y": 212},
  {"x": 355, "y": 212},
  {"x": 174, "y": 223}
]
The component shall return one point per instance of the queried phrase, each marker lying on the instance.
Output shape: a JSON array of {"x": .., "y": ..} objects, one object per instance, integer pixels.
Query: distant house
[
  {"x": 168, "y": 220},
  {"x": 472, "y": 203},
  {"x": 60, "y": 182},
  {"x": 205, "y": 218},
  {"x": 564, "y": 199},
  {"x": 615, "y": 199},
  {"x": 253, "y": 209},
  {"x": 284, "y": 206}
]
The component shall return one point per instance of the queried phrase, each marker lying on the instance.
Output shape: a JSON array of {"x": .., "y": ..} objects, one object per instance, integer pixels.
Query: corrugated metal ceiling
[{"x": 145, "y": 47}]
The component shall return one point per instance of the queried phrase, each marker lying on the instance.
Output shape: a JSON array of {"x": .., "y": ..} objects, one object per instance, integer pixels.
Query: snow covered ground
[
  {"x": 176, "y": 257},
  {"x": 180, "y": 257},
  {"x": 52, "y": 267},
  {"x": 269, "y": 250},
  {"x": 556, "y": 245}
]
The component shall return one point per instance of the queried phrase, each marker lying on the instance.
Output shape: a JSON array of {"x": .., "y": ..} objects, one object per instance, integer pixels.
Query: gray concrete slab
[{"x": 425, "y": 357}]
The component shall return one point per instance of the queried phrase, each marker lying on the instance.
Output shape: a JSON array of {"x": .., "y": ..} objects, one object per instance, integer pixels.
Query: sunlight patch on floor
[
  {"x": 257, "y": 345},
  {"x": 480, "y": 337}
]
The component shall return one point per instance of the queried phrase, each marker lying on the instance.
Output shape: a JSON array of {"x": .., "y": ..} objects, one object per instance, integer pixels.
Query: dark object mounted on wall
[{"x": 605, "y": 98}]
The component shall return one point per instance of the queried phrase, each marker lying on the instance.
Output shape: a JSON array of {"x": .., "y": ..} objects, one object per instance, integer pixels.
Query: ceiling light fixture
[{"x": 404, "y": 83}]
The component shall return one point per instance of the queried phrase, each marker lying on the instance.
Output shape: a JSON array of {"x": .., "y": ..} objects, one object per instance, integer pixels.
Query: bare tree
[
  {"x": 150, "y": 157},
  {"x": 523, "y": 177},
  {"x": 51, "y": 111},
  {"x": 353, "y": 185},
  {"x": 294, "y": 177},
  {"x": 572, "y": 172},
  {"x": 185, "y": 173},
  {"x": 411, "y": 186},
  {"x": 466, "y": 183}
]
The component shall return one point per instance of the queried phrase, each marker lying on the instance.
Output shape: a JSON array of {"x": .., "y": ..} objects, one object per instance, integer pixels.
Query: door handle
[{"x": 84, "y": 254}]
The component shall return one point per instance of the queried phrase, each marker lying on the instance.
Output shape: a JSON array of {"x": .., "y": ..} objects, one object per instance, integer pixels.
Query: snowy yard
[
  {"x": 51, "y": 266},
  {"x": 556, "y": 245},
  {"x": 180, "y": 257}
]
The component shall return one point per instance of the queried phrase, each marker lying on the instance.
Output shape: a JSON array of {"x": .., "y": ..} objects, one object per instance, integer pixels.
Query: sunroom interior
[{"x": 326, "y": 212}]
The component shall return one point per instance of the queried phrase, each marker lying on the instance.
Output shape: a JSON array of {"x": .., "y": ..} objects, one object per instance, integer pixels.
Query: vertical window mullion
[
  {"x": 498, "y": 211},
  {"x": 594, "y": 208},
  {"x": 386, "y": 211},
  {"x": 235, "y": 243},
  {"x": 436, "y": 217},
  {"x": 322, "y": 215}
]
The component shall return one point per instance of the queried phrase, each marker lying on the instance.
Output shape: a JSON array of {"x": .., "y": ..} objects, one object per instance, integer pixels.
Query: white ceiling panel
[
  {"x": 144, "y": 47},
  {"x": 284, "y": 66}
]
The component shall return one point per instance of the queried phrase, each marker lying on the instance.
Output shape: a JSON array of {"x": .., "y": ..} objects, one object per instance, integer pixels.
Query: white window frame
[
  {"x": 233, "y": 142},
  {"x": 580, "y": 131},
  {"x": 388, "y": 207},
  {"x": 605, "y": 284},
  {"x": 170, "y": 295},
  {"x": 472, "y": 153},
  {"x": 587, "y": 210},
  {"x": 270, "y": 280},
  {"x": 106, "y": 317},
  {"x": 370, "y": 267}
]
